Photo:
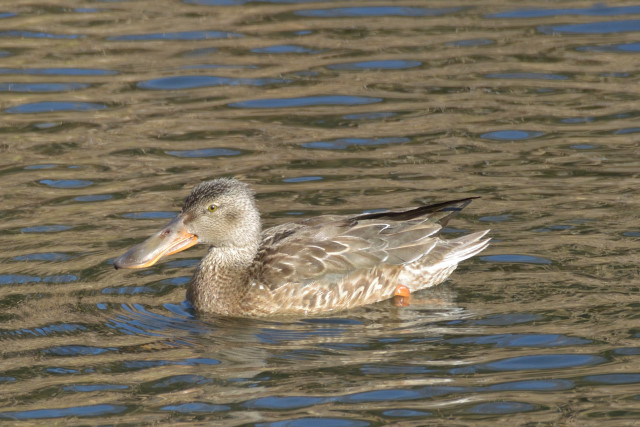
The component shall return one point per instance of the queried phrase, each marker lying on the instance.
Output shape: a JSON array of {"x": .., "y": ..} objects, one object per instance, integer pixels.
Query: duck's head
[{"x": 220, "y": 213}]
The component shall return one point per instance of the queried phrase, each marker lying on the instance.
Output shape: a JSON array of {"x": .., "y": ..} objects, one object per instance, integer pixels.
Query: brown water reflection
[{"x": 112, "y": 111}]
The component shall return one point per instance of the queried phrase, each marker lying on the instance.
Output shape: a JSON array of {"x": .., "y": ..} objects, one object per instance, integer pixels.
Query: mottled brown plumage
[{"x": 315, "y": 265}]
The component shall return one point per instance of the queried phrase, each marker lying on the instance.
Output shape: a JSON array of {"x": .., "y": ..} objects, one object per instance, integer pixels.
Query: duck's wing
[{"x": 328, "y": 248}]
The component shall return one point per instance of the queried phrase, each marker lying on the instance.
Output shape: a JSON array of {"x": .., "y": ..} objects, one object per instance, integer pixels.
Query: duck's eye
[{"x": 212, "y": 208}]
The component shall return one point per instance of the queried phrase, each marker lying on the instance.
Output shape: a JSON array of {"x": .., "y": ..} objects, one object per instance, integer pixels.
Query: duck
[{"x": 316, "y": 265}]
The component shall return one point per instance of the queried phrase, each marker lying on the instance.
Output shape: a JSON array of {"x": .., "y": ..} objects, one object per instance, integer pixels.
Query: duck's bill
[{"x": 171, "y": 239}]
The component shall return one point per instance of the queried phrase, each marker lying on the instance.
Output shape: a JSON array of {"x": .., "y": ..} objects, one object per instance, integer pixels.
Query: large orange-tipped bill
[{"x": 171, "y": 239}]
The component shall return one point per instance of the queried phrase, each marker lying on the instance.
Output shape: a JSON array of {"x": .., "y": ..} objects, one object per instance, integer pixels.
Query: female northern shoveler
[{"x": 315, "y": 265}]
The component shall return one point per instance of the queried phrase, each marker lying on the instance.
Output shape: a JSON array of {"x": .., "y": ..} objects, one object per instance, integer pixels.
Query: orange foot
[{"x": 402, "y": 296}]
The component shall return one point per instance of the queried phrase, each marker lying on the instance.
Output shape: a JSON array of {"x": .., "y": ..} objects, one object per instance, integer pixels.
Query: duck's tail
[
  {"x": 468, "y": 246},
  {"x": 438, "y": 264}
]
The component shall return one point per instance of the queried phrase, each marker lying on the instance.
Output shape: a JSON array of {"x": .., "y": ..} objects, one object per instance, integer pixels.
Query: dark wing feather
[{"x": 330, "y": 247}]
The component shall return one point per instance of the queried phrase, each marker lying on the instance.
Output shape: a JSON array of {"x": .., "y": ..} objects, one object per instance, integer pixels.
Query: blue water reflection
[
  {"x": 205, "y": 152},
  {"x": 522, "y": 340},
  {"x": 606, "y": 27},
  {"x": 471, "y": 42},
  {"x": 538, "y": 76},
  {"x": 44, "y": 256},
  {"x": 241, "y": 2},
  {"x": 306, "y": 101},
  {"x": 344, "y": 143},
  {"x": 622, "y": 47},
  {"x": 507, "y": 319},
  {"x": 75, "y": 411},
  {"x": 196, "y": 408},
  {"x": 370, "y": 116},
  {"x": 88, "y": 388},
  {"x": 284, "y": 48},
  {"x": 150, "y": 215},
  {"x": 93, "y": 198},
  {"x": 8, "y": 279},
  {"x": 53, "y": 106},
  {"x": 303, "y": 179},
  {"x": 41, "y": 87},
  {"x": 317, "y": 421},
  {"x": 514, "y": 258},
  {"x": 191, "y": 82},
  {"x": 511, "y": 135},
  {"x": 341, "y": 12},
  {"x": 502, "y": 407},
  {"x": 390, "y": 64},
  {"x": 285, "y": 402},
  {"x": 533, "y": 385},
  {"x": 543, "y": 361},
  {"x": 77, "y": 350},
  {"x": 59, "y": 71},
  {"x": 38, "y": 35},
  {"x": 185, "y": 35},
  {"x": 46, "y": 228},
  {"x": 596, "y": 10},
  {"x": 406, "y": 413},
  {"x": 67, "y": 183},
  {"x": 621, "y": 378}
]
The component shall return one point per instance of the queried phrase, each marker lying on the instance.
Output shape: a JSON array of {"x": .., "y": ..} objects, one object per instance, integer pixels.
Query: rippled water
[{"x": 113, "y": 110}]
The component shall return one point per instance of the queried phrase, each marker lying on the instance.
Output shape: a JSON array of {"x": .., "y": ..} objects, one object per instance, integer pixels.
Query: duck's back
[{"x": 336, "y": 262}]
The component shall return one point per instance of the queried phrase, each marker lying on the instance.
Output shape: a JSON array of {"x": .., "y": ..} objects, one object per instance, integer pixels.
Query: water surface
[{"x": 112, "y": 111}]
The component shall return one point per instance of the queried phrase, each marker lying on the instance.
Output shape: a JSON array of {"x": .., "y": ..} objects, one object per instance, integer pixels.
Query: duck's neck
[{"x": 221, "y": 280}]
